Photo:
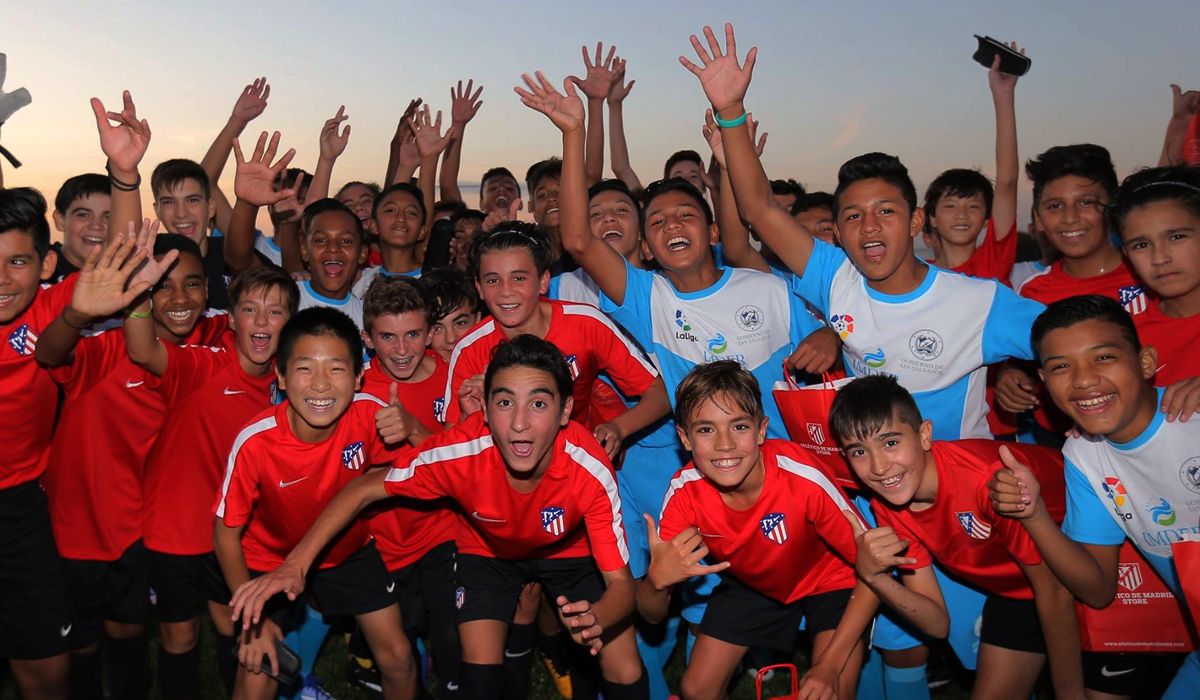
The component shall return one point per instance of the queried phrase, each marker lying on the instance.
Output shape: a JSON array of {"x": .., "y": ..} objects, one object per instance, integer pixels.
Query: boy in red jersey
[
  {"x": 453, "y": 308},
  {"x": 775, "y": 523},
  {"x": 543, "y": 505},
  {"x": 511, "y": 267},
  {"x": 93, "y": 478},
  {"x": 285, "y": 466},
  {"x": 1157, "y": 214},
  {"x": 931, "y": 498}
]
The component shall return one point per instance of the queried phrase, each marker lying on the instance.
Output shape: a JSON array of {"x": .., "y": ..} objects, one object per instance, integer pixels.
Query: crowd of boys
[{"x": 454, "y": 436}]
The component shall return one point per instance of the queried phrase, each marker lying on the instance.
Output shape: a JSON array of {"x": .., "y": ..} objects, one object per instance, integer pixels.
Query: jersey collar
[
  {"x": 908, "y": 296},
  {"x": 1150, "y": 430}
]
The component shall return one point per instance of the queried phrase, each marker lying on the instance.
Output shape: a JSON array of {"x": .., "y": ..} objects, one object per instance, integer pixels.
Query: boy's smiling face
[
  {"x": 676, "y": 233},
  {"x": 959, "y": 219},
  {"x": 445, "y": 333},
  {"x": 876, "y": 228},
  {"x": 1071, "y": 211},
  {"x": 320, "y": 383},
  {"x": 1097, "y": 377},
  {"x": 510, "y": 285},
  {"x": 334, "y": 253},
  {"x": 724, "y": 440},
  {"x": 399, "y": 220},
  {"x": 1162, "y": 242},
  {"x": 498, "y": 193},
  {"x": 892, "y": 462},
  {"x": 399, "y": 341},
  {"x": 359, "y": 199},
  {"x": 21, "y": 273},
  {"x": 257, "y": 319},
  {"x": 545, "y": 202},
  {"x": 525, "y": 413},
  {"x": 84, "y": 225},
  {"x": 614, "y": 219},
  {"x": 179, "y": 299},
  {"x": 185, "y": 210}
]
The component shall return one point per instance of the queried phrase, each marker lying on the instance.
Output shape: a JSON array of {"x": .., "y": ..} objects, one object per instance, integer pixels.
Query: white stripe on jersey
[
  {"x": 577, "y": 309},
  {"x": 248, "y": 432},
  {"x": 685, "y": 477},
  {"x": 483, "y": 331},
  {"x": 817, "y": 477},
  {"x": 444, "y": 453},
  {"x": 605, "y": 477}
]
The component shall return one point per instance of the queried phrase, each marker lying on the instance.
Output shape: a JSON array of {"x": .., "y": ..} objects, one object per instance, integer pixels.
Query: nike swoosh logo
[
  {"x": 130, "y": 384},
  {"x": 509, "y": 655},
  {"x": 477, "y": 516},
  {"x": 451, "y": 686},
  {"x": 230, "y": 392},
  {"x": 284, "y": 484},
  {"x": 1109, "y": 674},
  {"x": 65, "y": 630},
  {"x": 391, "y": 586}
]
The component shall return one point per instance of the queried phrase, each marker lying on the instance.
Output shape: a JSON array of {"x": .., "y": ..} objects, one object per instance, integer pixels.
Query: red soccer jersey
[
  {"x": 574, "y": 511},
  {"x": 208, "y": 400},
  {"x": 588, "y": 340},
  {"x": 993, "y": 259},
  {"x": 795, "y": 541},
  {"x": 30, "y": 396},
  {"x": 93, "y": 478},
  {"x": 409, "y": 528},
  {"x": 961, "y": 531},
  {"x": 1175, "y": 339},
  {"x": 276, "y": 485}
]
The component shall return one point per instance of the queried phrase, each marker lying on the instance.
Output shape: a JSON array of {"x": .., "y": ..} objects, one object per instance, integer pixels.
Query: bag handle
[{"x": 827, "y": 379}]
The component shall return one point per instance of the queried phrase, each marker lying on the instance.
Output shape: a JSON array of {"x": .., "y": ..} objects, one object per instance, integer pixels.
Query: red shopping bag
[
  {"x": 805, "y": 413},
  {"x": 760, "y": 677},
  {"x": 1145, "y": 617},
  {"x": 1187, "y": 568}
]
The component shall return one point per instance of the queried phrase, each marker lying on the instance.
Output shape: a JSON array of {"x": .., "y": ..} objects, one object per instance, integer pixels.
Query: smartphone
[
  {"x": 1011, "y": 62},
  {"x": 289, "y": 664}
]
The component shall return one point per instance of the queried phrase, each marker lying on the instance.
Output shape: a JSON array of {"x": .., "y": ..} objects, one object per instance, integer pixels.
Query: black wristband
[
  {"x": 63, "y": 317},
  {"x": 122, "y": 186}
]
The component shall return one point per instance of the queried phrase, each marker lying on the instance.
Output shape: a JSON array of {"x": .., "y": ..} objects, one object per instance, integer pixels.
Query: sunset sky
[{"x": 833, "y": 80}]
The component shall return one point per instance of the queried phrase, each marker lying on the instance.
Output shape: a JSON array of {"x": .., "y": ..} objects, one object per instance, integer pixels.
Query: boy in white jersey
[{"x": 1131, "y": 472}]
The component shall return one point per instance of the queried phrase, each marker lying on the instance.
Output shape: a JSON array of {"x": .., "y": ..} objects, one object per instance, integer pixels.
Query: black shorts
[
  {"x": 357, "y": 586},
  {"x": 1129, "y": 674},
  {"x": 740, "y": 615},
  {"x": 425, "y": 585},
  {"x": 35, "y": 608},
  {"x": 488, "y": 588},
  {"x": 180, "y": 583},
  {"x": 1011, "y": 623},
  {"x": 118, "y": 591}
]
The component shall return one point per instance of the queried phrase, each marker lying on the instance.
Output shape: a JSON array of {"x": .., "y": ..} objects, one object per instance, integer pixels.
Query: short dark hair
[
  {"x": 679, "y": 157},
  {"x": 551, "y": 167},
  {"x": 814, "y": 200},
  {"x": 507, "y": 235},
  {"x": 265, "y": 278},
  {"x": 374, "y": 188},
  {"x": 1177, "y": 183},
  {"x": 875, "y": 166},
  {"x": 615, "y": 185},
  {"x": 171, "y": 173},
  {"x": 958, "y": 182},
  {"x": 786, "y": 187},
  {"x": 166, "y": 242},
  {"x": 319, "y": 321},
  {"x": 80, "y": 187},
  {"x": 446, "y": 289},
  {"x": 1085, "y": 160},
  {"x": 864, "y": 406},
  {"x": 705, "y": 381},
  {"x": 498, "y": 171},
  {"x": 411, "y": 190},
  {"x": 391, "y": 295},
  {"x": 1088, "y": 307},
  {"x": 451, "y": 206},
  {"x": 533, "y": 352},
  {"x": 323, "y": 206},
  {"x": 23, "y": 209},
  {"x": 467, "y": 215},
  {"x": 658, "y": 188}
]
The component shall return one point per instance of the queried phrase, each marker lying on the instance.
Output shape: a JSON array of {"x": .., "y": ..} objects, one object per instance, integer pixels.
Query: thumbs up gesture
[
  {"x": 395, "y": 425},
  {"x": 678, "y": 560},
  {"x": 878, "y": 549},
  {"x": 1013, "y": 489}
]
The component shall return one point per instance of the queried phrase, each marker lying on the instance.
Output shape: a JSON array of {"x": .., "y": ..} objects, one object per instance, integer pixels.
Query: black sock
[
  {"x": 227, "y": 662},
  {"x": 128, "y": 668},
  {"x": 585, "y": 670},
  {"x": 518, "y": 661},
  {"x": 637, "y": 690},
  {"x": 85, "y": 677},
  {"x": 551, "y": 646},
  {"x": 179, "y": 674},
  {"x": 481, "y": 681}
]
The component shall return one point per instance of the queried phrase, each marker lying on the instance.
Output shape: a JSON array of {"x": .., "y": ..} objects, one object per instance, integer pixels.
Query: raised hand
[
  {"x": 1184, "y": 104},
  {"x": 581, "y": 623},
  {"x": 254, "y": 182},
  {"x": 724, "y": 81},
  {"x": 393, "y": 422},
  {"x": 678, "y": 560},
  {"x": 598, "y": 80},
  {"x": 565, "y": 110},
  {"x": 251, "y": 596},
  {"x": 464, "y": 104},
  {"x": 124, "y": 142},
  {"x": 288, "y": 209},
  {"x": 151, "y": 270},
  {"x": 404, "y": 126},
  {"x": 878, "y": 549},
  {"x": 500, "y": 215},
  {"x": 470, "y": 395},
  {"x": 712, "y": 134},
  {"x": 100, "y": 290},
  {"x": 620, "y": 89},
  {"x": 333, "y": 144},
  {"x": 430, "y": 139},
  {"x": 1013, "y": 489},
  {"x": 252, "y": 101},
  {"x": 1002, "y": 82}
]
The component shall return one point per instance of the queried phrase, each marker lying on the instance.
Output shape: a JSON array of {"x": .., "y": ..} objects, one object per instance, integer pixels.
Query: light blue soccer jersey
[
  {"x": 368, "y": 276},
  {"x": 748, "y": 316},
  {"x": 936, "y": 340},
  {"x": 1147, "y": 489}
]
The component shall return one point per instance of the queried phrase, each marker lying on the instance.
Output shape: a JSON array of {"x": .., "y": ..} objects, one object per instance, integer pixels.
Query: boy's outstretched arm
[
  {"x": 618, "y": 148},
  {"x": 1184, "y": 106},
  {"x": 671, "y": 562},
  {"x": 596, "y": 85},
  {"x": 464, "y": 105},
  {"x": 604, "y": 264},
  {"x": 402, "y": 145},
  {"x": 822, "y": 677},
  {"x": 735, "y": 237},
  {"x": 725, "y": 83},
  {"x": 249, "y": 105},
  {"x": 254, "y": 187},
  {"x": 1008, "y": 168},
  {"x": 1060, "y": 627},
  {"x": 653, "y": 405},
  {"x": 430, "y": 144},
  {"x": 332, "y": 145},
  {"x": 125, "y": 143}
]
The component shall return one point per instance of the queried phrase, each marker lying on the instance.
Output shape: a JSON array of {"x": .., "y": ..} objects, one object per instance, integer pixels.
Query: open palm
[
  {"x": 723, "y": 79},
  {"x": 252, "y": 101},
  {"x": 254, "y": 182},
  {"x": 430, "y": 139},
  {"x": 464, "y": 104},
  {"x": 598, "y": 79},
  {"x": 566, "y": 111}
]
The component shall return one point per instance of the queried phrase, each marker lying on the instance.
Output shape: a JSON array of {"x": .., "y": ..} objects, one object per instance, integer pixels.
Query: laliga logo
[{"x": 843, "y": 324}]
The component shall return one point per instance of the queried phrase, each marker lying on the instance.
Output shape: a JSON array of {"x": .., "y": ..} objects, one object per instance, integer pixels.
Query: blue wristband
[{"x": 729, "y": 124}]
